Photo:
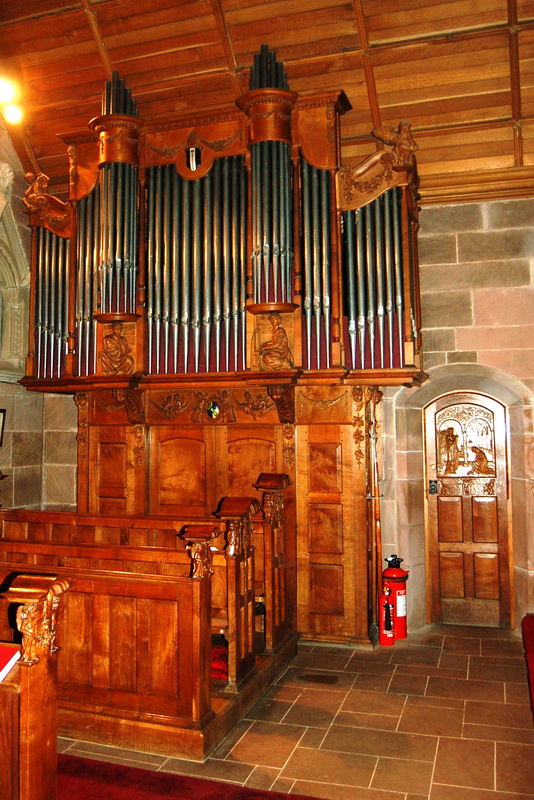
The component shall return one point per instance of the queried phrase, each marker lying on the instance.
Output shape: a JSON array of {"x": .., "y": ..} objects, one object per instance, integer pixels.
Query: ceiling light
[
  {"x": 12, "y": 114},
  {"x": 7, "y": 91}
]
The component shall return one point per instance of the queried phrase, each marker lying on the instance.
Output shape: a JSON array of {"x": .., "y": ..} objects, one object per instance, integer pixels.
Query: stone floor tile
[
  {"x": 262, "y": 778},
  {"x": 216, "y": 769},
  {"x": 352, "y": 719},
  {"x": 408, "y": 684},
  {"x": 462, "y": 646},
  {"x": 233, "y": 737},
  {"x": 373, "y": 702},
  {"x": 515, "y": 767},
  {"x": 372, "y": 682},
  {"x": 325, "y": 766},
  {"x": 494, "y": 733},
  {"x": 269, "y": 709},
  {"x": 465, "y": 762},
  {"x": 378, "y": 667},
  {"x": 397, "y": 775},
  {"x": 305, "y": 678},
  {"x": 446, "y": 792},
  {"x": 266, "y": 744},
  {"x": 512, "y": 649},
  {"x": 423, "y": 655},
  {"x": 314, "y": 708},
  {"x": 329, "y": 791},
  {"x": 448, "y": 722},
  {"x": 467, "y": 689},
  {"x": 513, "y": 673},
  {"x": 501, "y": 715},
  {"x": 435, "y": 702},
  {"x": 516, "y": 693},
  {"x": 453, "y": 661},
  {"x": 320, "y": 660},
  {"x": 380, "y": 743}
]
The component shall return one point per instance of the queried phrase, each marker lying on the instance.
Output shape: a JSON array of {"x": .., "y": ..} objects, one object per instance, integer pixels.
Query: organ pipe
[
  {"x": 196, "y": 271},
  {"x": 374, "y": 279},
  {"x": 220, "y": 240}
]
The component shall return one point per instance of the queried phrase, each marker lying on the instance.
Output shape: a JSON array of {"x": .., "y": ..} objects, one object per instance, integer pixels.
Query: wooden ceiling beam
[
  {"x": 222, "y": 27},
  {"x": 372, "y": 93},
  {"x": 99, "y": 40}
]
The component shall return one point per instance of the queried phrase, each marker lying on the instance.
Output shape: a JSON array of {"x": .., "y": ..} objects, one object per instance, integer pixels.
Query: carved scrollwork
[
  {"x": 284, "y": 397},
  {"x": 288, "y": 431},
  {"x": 358, "y": 423},
  {"x": 352, "y": 185},
  {"x": 82, "y": 403}
]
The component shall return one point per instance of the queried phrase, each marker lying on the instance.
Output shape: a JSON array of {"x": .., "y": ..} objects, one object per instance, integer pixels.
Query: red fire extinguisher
[
  {"x": 395, "y": 579},
  {"x": 386, "y": 634}
]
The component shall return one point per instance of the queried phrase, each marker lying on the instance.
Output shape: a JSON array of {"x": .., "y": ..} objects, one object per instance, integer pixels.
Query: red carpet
[{"x": 85, "y": 779}]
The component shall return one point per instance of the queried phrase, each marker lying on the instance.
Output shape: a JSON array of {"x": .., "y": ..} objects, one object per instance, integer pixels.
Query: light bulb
[
  {"x": 12, "y": 114},
  {"x": 7, "y": 91}
]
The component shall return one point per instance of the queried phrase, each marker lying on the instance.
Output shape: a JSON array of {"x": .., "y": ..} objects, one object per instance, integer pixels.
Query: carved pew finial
[{"x": 37, "y": 615}]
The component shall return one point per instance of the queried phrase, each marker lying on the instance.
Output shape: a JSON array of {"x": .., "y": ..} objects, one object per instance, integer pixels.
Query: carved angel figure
[
  {"x": 401, "y": 140},
  {"x": 33, "y": 195}
]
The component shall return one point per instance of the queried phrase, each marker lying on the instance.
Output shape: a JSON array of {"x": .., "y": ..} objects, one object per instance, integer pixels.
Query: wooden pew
[
  {"x": 28, "y": 699},
  {"x": 138, "y": 673}
]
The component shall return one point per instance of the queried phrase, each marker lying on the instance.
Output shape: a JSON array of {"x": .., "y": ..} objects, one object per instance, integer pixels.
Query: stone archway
[{"x": 402, "y": 487}]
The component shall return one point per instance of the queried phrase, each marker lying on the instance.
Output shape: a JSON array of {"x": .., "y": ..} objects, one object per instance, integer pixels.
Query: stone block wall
[
  {"x": 477, "y": 286},
  {"x": 477, "y": 299}
]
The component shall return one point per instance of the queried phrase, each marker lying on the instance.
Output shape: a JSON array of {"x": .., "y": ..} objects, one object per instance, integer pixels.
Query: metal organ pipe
[
  {"x": 52, "y": 306},
  {"x": 399, "y": 269},
  {"x": 316, "y": 212},
  {"x": 374, "y": 281},
  {"x": 196, "y": 267}
]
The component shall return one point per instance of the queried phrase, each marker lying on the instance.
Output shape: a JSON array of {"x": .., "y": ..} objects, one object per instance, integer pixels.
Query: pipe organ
[{"x": 223, "y": 298}]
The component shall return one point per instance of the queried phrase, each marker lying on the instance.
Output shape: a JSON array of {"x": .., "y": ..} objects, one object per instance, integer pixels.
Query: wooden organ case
[{"x": 225, "y": 301}]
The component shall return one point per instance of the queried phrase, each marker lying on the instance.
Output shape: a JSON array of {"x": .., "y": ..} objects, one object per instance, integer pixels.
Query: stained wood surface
[{"x": 460, "y": 72}]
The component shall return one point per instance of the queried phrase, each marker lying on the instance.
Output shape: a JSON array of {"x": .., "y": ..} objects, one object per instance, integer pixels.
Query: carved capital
[{"x": 284, "y": 397}]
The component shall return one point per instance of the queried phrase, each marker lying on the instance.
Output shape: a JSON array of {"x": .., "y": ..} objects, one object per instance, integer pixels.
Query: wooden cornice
[{"x": 475, "y": 187}]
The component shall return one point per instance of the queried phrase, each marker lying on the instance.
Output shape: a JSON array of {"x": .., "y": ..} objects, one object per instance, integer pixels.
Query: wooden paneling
[
  {"x": 445, "y": 66},
  {"x": 485, "y": 519},
  {"x": 451, "y": 574},
  {"x": 486, "y": 573},
  {"x": 450, "y": 519}
]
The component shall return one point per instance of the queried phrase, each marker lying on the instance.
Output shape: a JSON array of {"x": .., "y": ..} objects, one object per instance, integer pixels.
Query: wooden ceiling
[{"x": 461, "y": 71}]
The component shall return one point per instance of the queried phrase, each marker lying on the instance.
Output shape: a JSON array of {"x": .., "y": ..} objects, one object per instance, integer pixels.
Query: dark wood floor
[{"x": 443, "y": 715}]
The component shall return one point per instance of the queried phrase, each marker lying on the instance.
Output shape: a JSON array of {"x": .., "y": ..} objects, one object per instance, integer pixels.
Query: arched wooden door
[{"x": 468, "y": 551}]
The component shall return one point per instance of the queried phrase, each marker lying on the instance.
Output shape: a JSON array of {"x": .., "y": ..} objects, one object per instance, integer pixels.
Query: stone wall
[
  {"x": 477, "y": 294},
  {"x": 38, "y": 453}
]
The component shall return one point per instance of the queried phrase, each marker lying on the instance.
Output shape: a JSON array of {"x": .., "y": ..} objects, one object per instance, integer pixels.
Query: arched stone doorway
[{"x": 403, "y": 486}]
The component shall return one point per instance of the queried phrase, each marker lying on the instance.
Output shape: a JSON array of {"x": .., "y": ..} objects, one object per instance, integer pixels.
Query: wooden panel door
[
  {"x": 332, "y": 551},
  {"x": 182, "y": 475},
  {"x": 467, "y": 531}
]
